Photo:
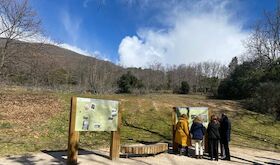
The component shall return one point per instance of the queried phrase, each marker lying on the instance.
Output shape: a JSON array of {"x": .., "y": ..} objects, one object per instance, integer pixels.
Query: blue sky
[{"x": 141, "y": 32}]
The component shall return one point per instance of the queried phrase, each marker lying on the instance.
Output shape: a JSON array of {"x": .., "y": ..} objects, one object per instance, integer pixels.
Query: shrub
[
  {"x": 128, "y": 82},
  {"x": 242, "y": 82},
  {"x": 185, "y": 88},
  {"x": 266, "y": 99}
]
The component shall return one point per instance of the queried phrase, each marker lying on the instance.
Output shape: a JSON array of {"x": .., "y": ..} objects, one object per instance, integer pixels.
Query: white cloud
[
  {"x": 134, "y": 52},
  {"x": 77, "y": 49},
  {"x": 39, "y": 38},
  {"x": 71, "y": 25},
  {"x": 47, "y": 40},
  {"x": 196, "y": 35}
]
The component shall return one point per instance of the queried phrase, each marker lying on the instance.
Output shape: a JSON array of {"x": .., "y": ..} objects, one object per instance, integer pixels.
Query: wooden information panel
[
  {"x": 191, "y": 112},
  {"x": 88, "y": 114}
]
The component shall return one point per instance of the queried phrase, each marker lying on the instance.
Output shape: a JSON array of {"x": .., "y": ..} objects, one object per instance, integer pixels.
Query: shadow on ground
[
  {"x": 24, "y": 160},
  {"x": 61, "y": 155},
  {"x": 270, "y": 160}
]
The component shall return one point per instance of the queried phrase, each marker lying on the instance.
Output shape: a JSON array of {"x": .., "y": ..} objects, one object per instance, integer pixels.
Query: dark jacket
[
  {"x": 213, "y": 131},
  {"x": 225, "y": 129},
  {"x": 197, "y": 131}
]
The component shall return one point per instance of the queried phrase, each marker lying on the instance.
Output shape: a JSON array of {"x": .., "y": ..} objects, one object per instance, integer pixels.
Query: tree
[
  {"x": 128, "y": 82},
  {"x": 233, "y": 64},
  {"x": 272, "y": 73},
  {"x": 266, "y": 99},
  {"x": 18, "y": 21},
  {"x": 265, "y": 40},
  {"x": 242, "y": 82},
  {"x": 185, "y": 88}
]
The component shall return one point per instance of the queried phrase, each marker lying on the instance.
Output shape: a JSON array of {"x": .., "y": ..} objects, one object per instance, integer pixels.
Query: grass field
[{"x": 34, "y": 121}]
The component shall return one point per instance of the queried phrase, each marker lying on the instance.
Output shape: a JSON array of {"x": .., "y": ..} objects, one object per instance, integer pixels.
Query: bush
[
  {"x": 242, "y": 82},
  {"x": 128, "y": 82},
  {"x": 272, "y": 73},
  {"x": 228, "y": 90},
  {"x": 267, "y": 99},
  {"x": 185, "y": 88}
]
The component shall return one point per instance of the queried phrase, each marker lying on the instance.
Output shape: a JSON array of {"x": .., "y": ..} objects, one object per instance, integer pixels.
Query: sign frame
[
  {"x": 73, "y": 137},
  {"x": 174, "y": 122}
]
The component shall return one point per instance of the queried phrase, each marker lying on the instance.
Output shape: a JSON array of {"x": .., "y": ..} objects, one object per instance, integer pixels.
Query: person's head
[
  {"x": 224, "y": 116},
  {"x": 197, "y": 119},
  {"x": 184, "y": 116},
  {"x": 214, "y": 118}
]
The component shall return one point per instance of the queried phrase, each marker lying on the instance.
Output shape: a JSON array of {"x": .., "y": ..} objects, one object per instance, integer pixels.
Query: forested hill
[{"x": 50, "y": 66}]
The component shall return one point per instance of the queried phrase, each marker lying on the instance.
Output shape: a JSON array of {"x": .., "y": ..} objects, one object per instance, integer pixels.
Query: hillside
[
  {"x": 54, "y": 67},
  {"x": 34, "y": 121},
  {"x": 50, "y": 66},
  {"x": 63, "y": 56}
]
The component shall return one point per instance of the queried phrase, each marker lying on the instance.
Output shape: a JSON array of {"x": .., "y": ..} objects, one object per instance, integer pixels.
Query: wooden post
[
  {"x": 174, "y": 144},
  {"x": 73, "y": 136},
  {"x": 115, "y": 139}
]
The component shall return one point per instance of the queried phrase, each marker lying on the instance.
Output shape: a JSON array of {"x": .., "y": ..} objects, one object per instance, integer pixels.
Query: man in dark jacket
[{"x": 225, "y": 130}]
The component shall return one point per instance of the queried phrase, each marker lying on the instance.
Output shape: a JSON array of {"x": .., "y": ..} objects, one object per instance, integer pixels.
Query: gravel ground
[{"x": 239, "y": 156}]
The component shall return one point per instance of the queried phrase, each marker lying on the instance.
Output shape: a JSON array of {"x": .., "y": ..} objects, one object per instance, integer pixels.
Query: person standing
[
  {"x": 182, "y": 135},
  {"x": 225, "y": 130},
  {"x": 197, "y": 132},
  {"x": 221, "y": 145},
  {"x": 213, "y": 137}
]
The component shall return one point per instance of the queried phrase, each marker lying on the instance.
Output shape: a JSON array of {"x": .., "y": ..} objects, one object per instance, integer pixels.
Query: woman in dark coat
[
  {"x": 213, "y": 137},
  {"x": 225, "y": 131},
  {"x": 197, "y": 132}
]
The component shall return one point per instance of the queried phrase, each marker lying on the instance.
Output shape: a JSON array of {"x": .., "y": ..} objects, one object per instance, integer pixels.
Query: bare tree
[
  {"x": 233, "y": 64},
  {"x": 18, "y": 21},
  {"x": 264, "y": 43}
]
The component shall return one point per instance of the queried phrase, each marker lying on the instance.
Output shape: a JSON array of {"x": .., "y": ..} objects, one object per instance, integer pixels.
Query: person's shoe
[
  {"x": 226, "y": 158},
  {"x": 187, "y": 154},
  {"x": 180, "y": 153},
  {"x": 201, "y": 157},
  {"x": 197, "y": 156}
]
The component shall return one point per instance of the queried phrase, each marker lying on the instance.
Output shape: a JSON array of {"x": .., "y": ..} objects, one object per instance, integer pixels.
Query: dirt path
[{"x": 240, "y": 156}]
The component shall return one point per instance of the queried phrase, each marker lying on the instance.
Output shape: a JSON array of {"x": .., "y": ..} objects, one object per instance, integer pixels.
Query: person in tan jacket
[{"x": 182, "y": 134}]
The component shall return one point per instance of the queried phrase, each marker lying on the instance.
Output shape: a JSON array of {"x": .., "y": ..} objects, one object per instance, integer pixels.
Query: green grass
[
  {"x": 145, "y": 118},
  {"x": 256, "y": 131},
  {"x": 5, "y": 125}
]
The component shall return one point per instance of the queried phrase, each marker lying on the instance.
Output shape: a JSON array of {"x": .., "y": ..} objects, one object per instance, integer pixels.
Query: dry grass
[
  {"x": 22, "y": 117},
  {"x": 34, "y": 121}
]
